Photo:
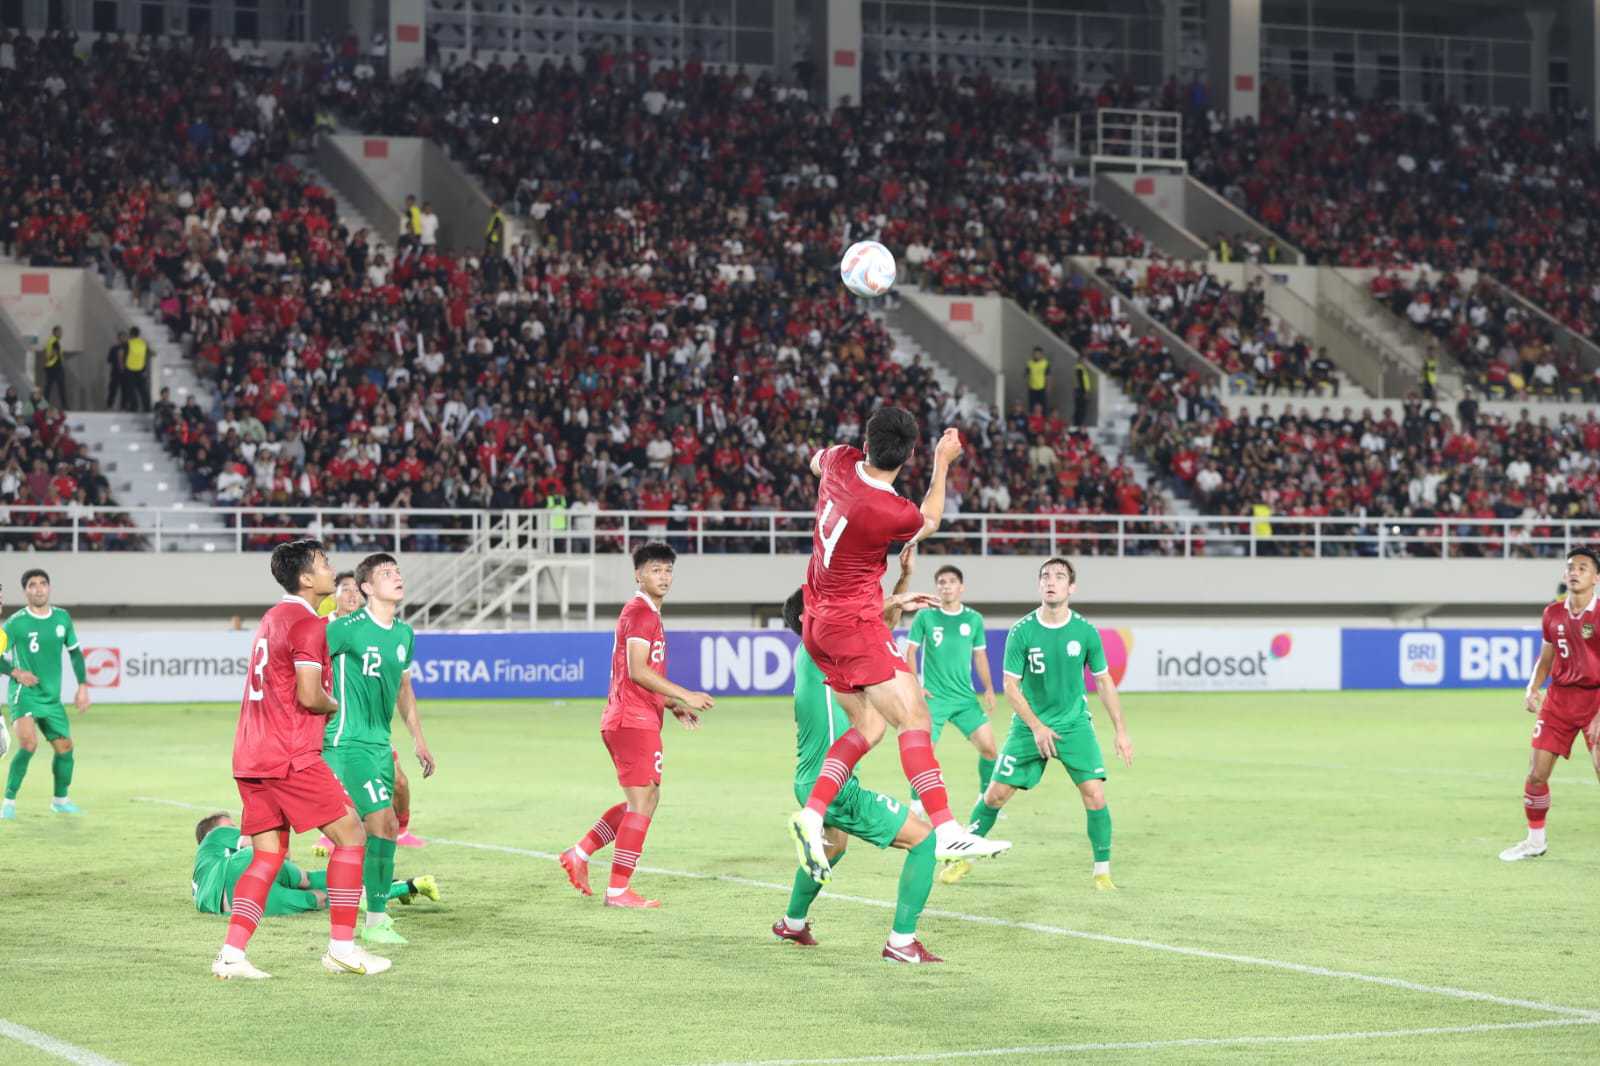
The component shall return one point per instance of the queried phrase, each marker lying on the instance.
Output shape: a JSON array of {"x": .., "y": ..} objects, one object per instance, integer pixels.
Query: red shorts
[
  {"x": 305, "y": 799},
  {"x": 636, "y": 753},
  {"x": 853, "y": 654},
  {"x": 1566, "y": 713}
]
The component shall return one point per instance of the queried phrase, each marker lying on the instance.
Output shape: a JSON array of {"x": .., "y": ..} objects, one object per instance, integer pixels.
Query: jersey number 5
[
  {"x": 258, "y": 670},
  {"x": 1566, "y": 652},
  {"x": 830, "y": 540}
]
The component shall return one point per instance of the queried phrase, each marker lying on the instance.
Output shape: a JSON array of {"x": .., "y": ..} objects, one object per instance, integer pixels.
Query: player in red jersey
[
  {"x": 631, "y": 729},
  {"x": 278, "y": 767},
  {"x": 1570, "y": 658},
  {"x": 859, "y": 518}
]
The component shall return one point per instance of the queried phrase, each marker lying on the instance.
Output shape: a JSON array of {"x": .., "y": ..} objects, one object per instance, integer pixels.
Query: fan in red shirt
[
  {"x": 278, "y": 767},
  {"x": 631, "y": 729},
  {"x": 860, "y": 518},
  {"x": 1570, "y": 658}
]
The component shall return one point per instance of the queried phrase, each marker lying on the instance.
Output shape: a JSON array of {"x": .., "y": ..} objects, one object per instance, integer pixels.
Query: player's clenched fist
[
  {"x": 949, "y": 447},
  {"x": 1534, "y": 700}
]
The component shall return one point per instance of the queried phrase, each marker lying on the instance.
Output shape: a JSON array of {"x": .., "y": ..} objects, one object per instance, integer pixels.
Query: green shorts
[
  {"x": 862, "y": 813},
  {"x": 367, "y": 774},
  {"x": 1021, "y": 766},
  {"x": 214, "y": 895},
  {"x": 52, "y": 722},
  {"x": 965, "y": 714}
]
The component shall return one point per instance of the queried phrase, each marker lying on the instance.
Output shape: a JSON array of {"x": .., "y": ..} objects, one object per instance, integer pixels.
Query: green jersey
[
  {"x": 209, "y": 882},
  {"x": 818, "y": 721},
  {"x": 947, "y": 642},
  {"x": 1049, "y": 660},
  {"x": 36, "y": 644},
  {"x": 369, "y": 661}
]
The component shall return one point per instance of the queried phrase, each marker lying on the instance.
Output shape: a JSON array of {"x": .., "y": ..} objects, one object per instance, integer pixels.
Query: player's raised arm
[
  {"x": 947, "y": 451},
  {"x": 640, "y": 673},
  {"x": 1533, "y": 697},
  {"x": 816, "y": 461}
]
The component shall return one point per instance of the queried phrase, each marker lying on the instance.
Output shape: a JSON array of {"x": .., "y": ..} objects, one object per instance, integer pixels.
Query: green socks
[
  {"x": 319, "y": 881},
  {"x": 805, "y": 891},
  {"x": 19, "y": 770},
  {"x": 61, "y": 770},
  {"x": 981, "y": 820},
  {"x": 400, "y": 888},
  {"x": 377, "y": 873},
  {"x": 985, "y": 771},
  {"x": 1100, "y": 833},
  {"x": 916, "y": 881}
]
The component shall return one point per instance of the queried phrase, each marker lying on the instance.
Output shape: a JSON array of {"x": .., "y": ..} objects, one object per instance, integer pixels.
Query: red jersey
[
  {"x": 630, "y": 705},
  {"x": 1576, "y": 638},
  {"x": 857, "y": 520},
  {"x": 276, "y": 734}
]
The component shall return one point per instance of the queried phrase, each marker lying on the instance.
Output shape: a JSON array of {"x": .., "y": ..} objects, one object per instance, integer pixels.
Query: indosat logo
[
  {"x": 1202, "y": 665},
  {"x": 1118, "y": 645}
]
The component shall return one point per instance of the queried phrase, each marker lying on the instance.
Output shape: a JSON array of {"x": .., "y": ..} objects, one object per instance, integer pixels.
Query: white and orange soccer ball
[{"x": 868, "y": 269}]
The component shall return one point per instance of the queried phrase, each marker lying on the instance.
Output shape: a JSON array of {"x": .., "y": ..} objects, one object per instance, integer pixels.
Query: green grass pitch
[{"x": 1352, "y": 833}]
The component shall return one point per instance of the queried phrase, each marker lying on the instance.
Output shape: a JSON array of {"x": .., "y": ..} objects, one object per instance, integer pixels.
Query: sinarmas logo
[{"x": 1203, "y": 664}]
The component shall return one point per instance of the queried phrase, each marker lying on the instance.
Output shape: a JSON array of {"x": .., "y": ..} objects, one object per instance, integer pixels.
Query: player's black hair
[
  {"x": 292, "y": 559},
  {"x": 207, "y": 824},
  {"x": 345, "y": 575},
  {"x": 1582, "y": 549},
  {"x": 366, "y": 566},
  {"x": 1056, "y": 560},
  {"x": 654, "y": 552},
  {"x": 949, "y": 569},
  {"x": 891, "y": 434},
  {"x": 793, "y": 608},
  {"x": 29, "y": 575}
]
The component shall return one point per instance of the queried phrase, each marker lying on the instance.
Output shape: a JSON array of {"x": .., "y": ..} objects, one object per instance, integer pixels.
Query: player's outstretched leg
[
  {"x": 916, "y": 881},
  {"x": 795, "y": 925},
  {"x": 805, "y": 825},
  {"x": 630, "y": 846},
  {"x": 575, "y": 860},
  {"x": 249, "y": 906},
  {"x": 408, "y": 890}
]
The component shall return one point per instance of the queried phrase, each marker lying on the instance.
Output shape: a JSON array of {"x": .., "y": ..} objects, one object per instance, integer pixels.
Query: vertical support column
[
  {"x": 1540, "y": 24},
  {"x": 408, "y": 31},
  {"x": 363, "y": 17},
  {"x": 836, "y": 48},
  {"x": 782, "y": 40},
  {"x": 1233, "y": 38},
  {"x": 1171, "y": 38},
  {"x": 1583, "y": 59}
]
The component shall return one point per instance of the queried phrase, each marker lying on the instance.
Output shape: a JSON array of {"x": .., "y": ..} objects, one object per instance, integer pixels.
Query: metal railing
[
  {"x": 1125, "y": 137},
  {"x": 545, "y": 533}
]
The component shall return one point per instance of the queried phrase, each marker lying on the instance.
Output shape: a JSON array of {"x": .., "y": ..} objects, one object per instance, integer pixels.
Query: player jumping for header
[
  {"x": 278, "y": 767},
  {"x": 631, "y": 729},
  {"x": 35, "y": 637},
  {"x": 859, "y": 515},
  {"x": 1570, "y": 659},
  {"x": 1046, "y": 653}
]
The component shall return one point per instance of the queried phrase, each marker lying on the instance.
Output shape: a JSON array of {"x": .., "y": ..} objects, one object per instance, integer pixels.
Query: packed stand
[
  {"x": 1506, "y": 351},
  {"x": 43, "y": 467},
  {"x": 1376, "y": 184}
]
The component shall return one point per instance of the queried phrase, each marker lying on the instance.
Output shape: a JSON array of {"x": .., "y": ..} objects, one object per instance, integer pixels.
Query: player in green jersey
[
  {"x": 952, "y": 643},
  {"x": 220, "y": 860},
  {"x": 859, "y": 812},
  {"x": 36, "y": 636},
  {"x": 372, "y": 658},
  {"x": 1046, "y": 653}
]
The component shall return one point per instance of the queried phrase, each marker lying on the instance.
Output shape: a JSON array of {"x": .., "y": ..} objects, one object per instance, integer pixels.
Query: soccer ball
[{"x": 867, "y": 269}]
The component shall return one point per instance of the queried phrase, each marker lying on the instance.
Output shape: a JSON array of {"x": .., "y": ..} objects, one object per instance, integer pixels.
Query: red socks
[
  {"x": 922, "y": 770},
  {"x": 837, "y": 768},
  {"x": 630, "y": 844},
  {"x": 1535, "y": 804},
  {"x": 405, "y": 822},
  {"x": 344, "y": 890},
  {"x": 250, "y": 896},
  {"x": 603, "y": 831}
]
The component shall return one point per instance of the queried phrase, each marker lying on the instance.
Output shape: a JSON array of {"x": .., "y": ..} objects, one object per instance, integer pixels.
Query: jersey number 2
[
  {"x": 830, "y": 540},
  {"x": 258, "y": 670}
]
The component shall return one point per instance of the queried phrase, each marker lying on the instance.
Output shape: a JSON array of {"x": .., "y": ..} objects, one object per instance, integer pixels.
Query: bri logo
[{"x": 1421, "y": 658}]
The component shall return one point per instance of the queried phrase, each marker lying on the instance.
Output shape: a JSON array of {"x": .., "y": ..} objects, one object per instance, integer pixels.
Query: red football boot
[
  {"x": 577, "y": 871},
  {"x": 803, "y": 937},
  {"x": 913, "y": 952},
  {"x": 632, "y": 899}
]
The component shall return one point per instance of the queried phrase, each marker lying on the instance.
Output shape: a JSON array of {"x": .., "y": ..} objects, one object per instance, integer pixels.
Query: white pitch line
[
  {"x": 1161, "y": 1045},
  {"x": 51, "y": 1046},
  {"x": 1053, "y": 930}
]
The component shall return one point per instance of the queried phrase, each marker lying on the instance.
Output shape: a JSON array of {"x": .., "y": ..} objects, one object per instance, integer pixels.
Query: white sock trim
[
  {"x": 613, "y": 893},
  {"x": 583, "y": 856},
  {"x": 1536, "y": 837},
  {"x": 901, "y": 940},
  {"x": 794, "y": 925},
  {"x": 376, "y": 918},
  {"x": 232, "y": 954},
  {"x": 1102, "y": 868},
  {"x": 341, "y": 949}
]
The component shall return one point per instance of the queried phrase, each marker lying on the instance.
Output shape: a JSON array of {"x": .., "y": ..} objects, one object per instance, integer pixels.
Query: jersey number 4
[{"x": 830, "y": 540}]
